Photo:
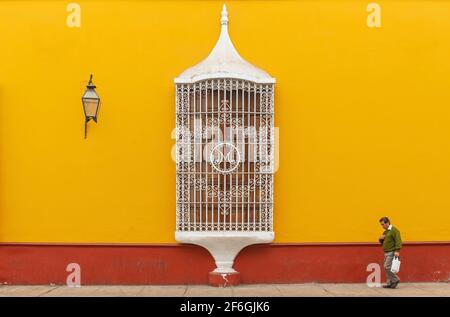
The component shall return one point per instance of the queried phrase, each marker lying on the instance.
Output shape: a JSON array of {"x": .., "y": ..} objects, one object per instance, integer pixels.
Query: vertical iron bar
[
  {"x": 244, "y": 157},
  {"x": 248, "y": 151},
  {"x": 260, "y": 147},
  {"x": 204, "y": 159},
  {"x": 194, "y": 128},
  {"x": 219, "y": 140}
]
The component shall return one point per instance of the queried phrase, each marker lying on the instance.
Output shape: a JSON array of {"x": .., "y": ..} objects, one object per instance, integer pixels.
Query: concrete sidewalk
[{"x": 266, "y": 290}]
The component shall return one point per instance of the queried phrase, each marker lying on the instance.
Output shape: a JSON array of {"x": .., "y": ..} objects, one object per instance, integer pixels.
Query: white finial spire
[
  {"x": 224, "y": 19},
  {"x": 224, "y": 62}
]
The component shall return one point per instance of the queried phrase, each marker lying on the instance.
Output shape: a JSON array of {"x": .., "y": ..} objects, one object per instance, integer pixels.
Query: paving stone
[
  {"x": 95, "y": 291},
  {"x": 163, "y": 291},
  {"x": 197, "y": 291},
  {"x": 263, "y": 290},
  {"x": 256, "y": 291},
  {"x": 303, "y": 290},
  {"x": 351, "y": 290},
  {"x": 25, "y": 291}
]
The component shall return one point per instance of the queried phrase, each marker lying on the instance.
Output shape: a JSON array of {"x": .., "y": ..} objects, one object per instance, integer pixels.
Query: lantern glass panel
[{"x": 90, "y": 107}]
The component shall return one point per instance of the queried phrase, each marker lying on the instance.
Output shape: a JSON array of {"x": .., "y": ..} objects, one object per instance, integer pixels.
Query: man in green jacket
[{"x": 392, "y": 243}]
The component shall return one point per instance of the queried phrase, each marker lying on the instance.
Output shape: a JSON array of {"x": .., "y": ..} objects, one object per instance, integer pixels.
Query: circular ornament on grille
[{"x": 225, "y": 152}]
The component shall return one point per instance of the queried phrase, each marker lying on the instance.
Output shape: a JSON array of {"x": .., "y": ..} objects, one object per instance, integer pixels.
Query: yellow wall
[{"x": 363, "y": 115}]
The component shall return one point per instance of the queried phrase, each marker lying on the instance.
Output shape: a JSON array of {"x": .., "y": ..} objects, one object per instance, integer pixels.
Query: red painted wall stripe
[{"x": 187, "y": 264}]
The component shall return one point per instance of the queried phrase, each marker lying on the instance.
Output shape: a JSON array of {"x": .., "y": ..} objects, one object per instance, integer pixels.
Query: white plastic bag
[{"x": 395, "y": 268}]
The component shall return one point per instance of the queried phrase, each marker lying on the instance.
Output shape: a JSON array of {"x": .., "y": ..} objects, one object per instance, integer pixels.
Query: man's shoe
[
  {"x": 387, "y": 286},
  {"x": 394, "y": 285}
]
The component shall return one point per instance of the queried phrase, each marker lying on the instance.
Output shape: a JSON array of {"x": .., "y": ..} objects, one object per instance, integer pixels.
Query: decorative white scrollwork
[{"x": 225, "y": 154}]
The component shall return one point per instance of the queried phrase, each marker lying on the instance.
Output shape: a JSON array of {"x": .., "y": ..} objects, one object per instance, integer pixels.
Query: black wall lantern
[{"x": 91, "y": 104}]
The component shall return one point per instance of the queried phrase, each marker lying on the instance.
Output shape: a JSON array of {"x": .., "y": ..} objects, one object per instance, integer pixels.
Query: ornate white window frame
[{"x": 224, "y": 153}]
